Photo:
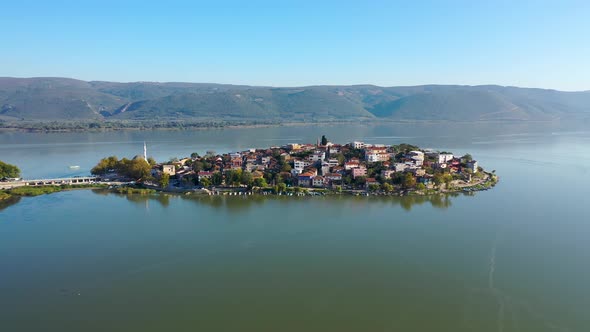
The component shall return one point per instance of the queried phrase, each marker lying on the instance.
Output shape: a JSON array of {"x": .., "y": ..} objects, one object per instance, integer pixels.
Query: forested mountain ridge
[{"x": 55, "y": 99}]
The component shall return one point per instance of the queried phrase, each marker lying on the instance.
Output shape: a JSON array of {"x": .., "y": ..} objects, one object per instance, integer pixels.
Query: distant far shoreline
[{"x": 138, "y": 125}]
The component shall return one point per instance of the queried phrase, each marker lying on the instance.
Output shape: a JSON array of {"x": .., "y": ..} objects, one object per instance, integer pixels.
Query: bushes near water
[
  {"x": 4, "y": 195},
  {"x": 42, "y": 190},
  {"x": 34, "y": 191},
  {"x": 129, "y": 191}
]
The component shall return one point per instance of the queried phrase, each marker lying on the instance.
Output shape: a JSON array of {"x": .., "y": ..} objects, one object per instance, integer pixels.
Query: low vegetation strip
[
  {"x": 42, "y": 190},
  {"x": 131, "y": 190}
]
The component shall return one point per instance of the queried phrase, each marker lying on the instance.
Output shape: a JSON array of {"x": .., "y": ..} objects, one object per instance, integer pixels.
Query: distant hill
[{"x": 68, "y": 99}]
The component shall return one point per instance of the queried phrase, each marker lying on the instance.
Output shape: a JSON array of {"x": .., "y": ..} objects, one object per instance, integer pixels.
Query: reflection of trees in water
[
  {"x": 8, "y": 202},
  {"x": 233, "y": 204},
  {"x": 238, "y": 204},
  {"x": 162, "y": 199},
  {"x": 407, "y": 202},
  {"x": 436, "y": 201}
]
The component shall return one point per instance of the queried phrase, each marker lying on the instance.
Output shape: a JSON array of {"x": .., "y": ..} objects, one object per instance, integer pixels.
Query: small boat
[{"x": 74, "y": 167}]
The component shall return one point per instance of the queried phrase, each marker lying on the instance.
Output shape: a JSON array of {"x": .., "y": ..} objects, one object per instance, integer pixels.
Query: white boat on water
[{"x": 74, "y": 167}]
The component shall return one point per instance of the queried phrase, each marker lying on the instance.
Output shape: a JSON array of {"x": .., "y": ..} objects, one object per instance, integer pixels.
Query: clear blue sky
[{"x": 287, "y": 43}]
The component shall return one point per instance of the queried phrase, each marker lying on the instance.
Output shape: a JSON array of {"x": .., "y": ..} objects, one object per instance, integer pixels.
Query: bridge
[{"x": 48, "y": 182}]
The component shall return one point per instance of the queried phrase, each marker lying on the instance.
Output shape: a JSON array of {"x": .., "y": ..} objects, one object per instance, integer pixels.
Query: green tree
[
  {"x": 194, "y": 155},
  {"x": 136, "y": 168},
  {"x": 438, "y": 179},
  {"x": 347, "y": 179},
  {"x": 217, "y": 179},
  {"x": 208, "y": 166},
  {"x": 387, "y": 187},
  {"x": 360, "y": 180},
  {"x": 409, "y": 181},
  {"x": 260, "y": 182},
  {"x": 373, "y": 187},
  {"x": 285, "y": 167},
  {"x": 282, "y": 187},
  {"x": 278, "y": 179},
  {"x": 105, "y": 165},
  {"x": 9, "y": 171},
  {"x": 198, "y": 166},
  {"x": 164, "y": 180},
  {"x": 447, "y": 178},
  {"x": 246, "y": 178},
  {"x": 467, "y": 157},
  {"x": 205, "y": 182},
  {"x": 234, "y": 177},
  {"x": 324, "y": 140},
  {"x": 420, "y": 186},
  {"x": 338, "y": 156}
]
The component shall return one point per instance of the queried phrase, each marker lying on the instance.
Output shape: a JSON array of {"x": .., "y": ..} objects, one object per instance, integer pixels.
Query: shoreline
[
  {"x": 181, "y": 125},
  {"x": 9, "y": 197}
]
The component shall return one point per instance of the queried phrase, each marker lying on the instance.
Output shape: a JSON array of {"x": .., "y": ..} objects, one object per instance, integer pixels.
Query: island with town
[{"x": 299, "y": 169}]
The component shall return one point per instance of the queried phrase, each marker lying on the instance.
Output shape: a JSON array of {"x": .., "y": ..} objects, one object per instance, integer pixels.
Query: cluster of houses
[{"x": 326, "y": 165}]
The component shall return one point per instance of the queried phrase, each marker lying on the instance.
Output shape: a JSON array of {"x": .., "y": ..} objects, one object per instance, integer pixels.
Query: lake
[{"x": 514, "y": 258}]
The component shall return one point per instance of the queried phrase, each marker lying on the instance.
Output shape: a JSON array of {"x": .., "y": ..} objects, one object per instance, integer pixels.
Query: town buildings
[{"x": 353, "y": 166}]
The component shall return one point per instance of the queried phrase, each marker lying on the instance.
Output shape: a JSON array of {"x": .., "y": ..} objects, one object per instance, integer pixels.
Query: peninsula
[
  {"x": 304, "y": 168},
  {"x": 295, "y": 169}
]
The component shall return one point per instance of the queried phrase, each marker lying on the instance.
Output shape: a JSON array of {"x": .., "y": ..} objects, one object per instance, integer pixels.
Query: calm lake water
[{"x": 515, "y": 258}]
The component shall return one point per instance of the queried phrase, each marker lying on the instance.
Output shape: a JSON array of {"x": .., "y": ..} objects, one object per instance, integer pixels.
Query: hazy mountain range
[{"x": 70, "y": 99}]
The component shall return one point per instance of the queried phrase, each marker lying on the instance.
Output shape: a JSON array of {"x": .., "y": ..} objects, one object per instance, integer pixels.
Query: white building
[
  {"x": 169, "y": 169},
  {"x": 400, "y": 167},
  {"x": 386, "y": 173},
  {"x": 300, "y": 164},
  {"x": 318, "y": 156},
  {"x": 358, "y": 145},
  {"x": 416, "y": 155},
  {"x": 472, "y": 165},
  {"x": 333, "y": 162},
  {"x": 374, "y": 157},
  {"x": 444, "y": 157},
  {"x": 376, "y": 153},
  {"x": 318, "y": 181},
  {"x": 351, "y": 164},
  {"x": 334, "y": 149}
]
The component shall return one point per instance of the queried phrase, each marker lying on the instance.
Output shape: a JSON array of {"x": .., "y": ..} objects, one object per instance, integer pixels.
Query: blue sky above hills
[{"x": 529, "y": 43}]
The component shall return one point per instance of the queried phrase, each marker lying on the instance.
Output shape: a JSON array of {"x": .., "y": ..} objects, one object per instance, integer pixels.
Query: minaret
[{"x": 144, "y": 152}]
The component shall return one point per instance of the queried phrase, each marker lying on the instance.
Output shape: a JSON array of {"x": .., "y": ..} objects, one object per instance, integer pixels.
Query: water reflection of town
[{"x": 241, "y": 203}]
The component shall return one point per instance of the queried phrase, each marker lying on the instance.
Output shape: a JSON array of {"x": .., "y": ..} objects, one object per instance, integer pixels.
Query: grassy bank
[
  {"x": 136, "y": 191},
  {"x": 42, "y": 190}
]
